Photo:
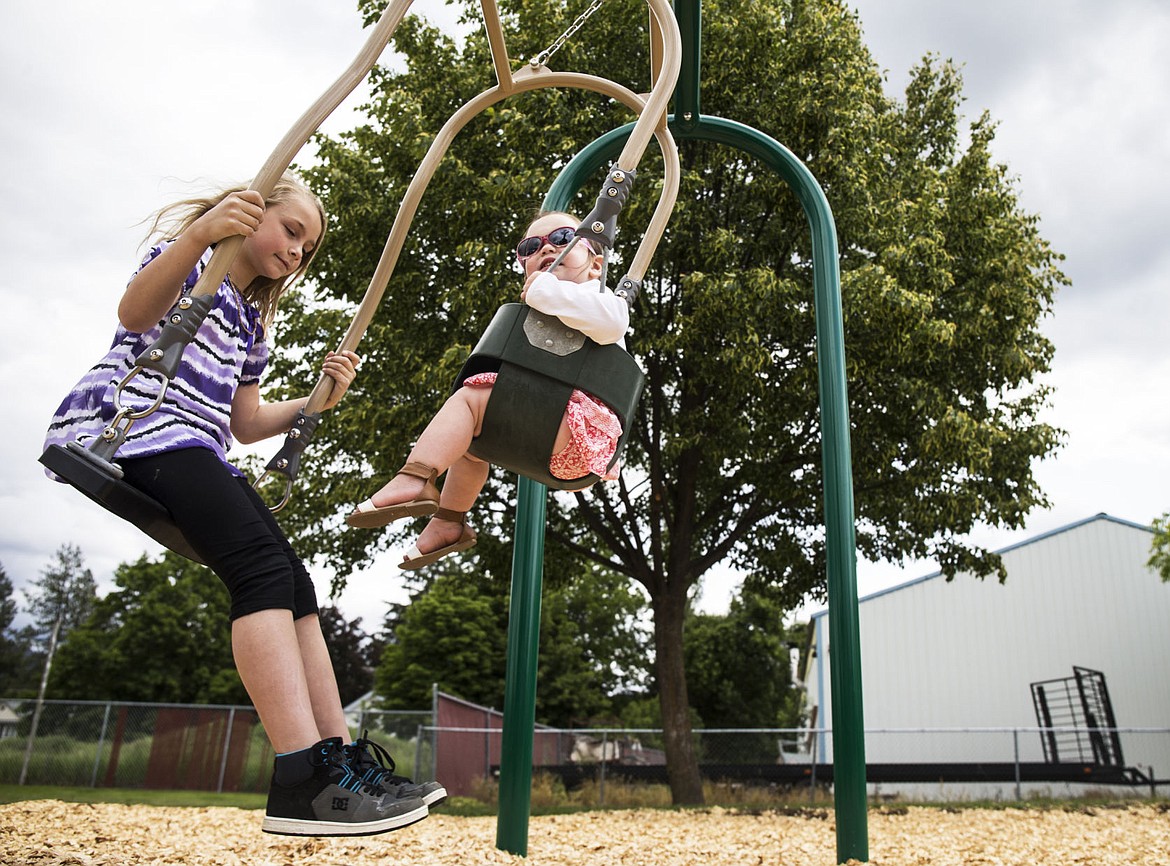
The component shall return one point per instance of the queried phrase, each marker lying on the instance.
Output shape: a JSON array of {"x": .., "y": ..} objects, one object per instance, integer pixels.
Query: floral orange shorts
[{"x": 594, "y": 431}]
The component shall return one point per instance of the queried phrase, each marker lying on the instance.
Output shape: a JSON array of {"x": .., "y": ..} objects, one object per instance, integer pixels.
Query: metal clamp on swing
[
  {"x": 600, "y": 226},
  {"x": 105, "y": 445},
  {"x": 288, "y": 459},
  {"x": 165, "y": 354},
  {"x": 628, "y": 289},
  {"x": 91, "y": 469},
  {"x": 163, "y": 357}
]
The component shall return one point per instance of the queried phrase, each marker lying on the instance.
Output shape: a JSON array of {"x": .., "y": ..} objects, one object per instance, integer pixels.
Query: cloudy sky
[{"x": 110, "y": 110}]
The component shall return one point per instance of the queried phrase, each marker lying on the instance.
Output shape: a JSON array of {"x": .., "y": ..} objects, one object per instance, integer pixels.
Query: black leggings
[{"x": 229, "y": 526}]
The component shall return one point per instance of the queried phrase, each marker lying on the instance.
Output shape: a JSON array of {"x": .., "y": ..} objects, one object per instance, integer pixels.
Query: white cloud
[
  {"x": 112, "y": 107},
  {"x": 119, "y": 107}
]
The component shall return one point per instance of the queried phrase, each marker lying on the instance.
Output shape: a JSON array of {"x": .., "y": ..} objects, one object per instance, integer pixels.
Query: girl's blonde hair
[{"x": 264, "y": 292}]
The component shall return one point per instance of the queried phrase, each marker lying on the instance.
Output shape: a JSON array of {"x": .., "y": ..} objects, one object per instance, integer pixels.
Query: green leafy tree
[
  {"x": 739, "y": 675},
  {"x": 161, "y": 635},
  {"x": 591, "y": 648},
  {"x": 451, "y": 636},
  {"x": 454, "y": 634},
  {"x": 945, "y": 280},
  {"x": 1160, "y": 548}
]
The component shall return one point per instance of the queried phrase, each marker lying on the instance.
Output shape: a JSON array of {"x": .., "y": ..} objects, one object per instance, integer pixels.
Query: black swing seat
[
  {"x": 539, "y": 361},
  {"x": 85, "y": 472}
]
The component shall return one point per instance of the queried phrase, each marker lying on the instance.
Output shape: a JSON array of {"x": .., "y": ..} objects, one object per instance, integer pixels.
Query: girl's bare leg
[
  {"x": 286, "y": 669},
  {"x": 268, "y": 656},
  {"x": 324, "y": 696}
]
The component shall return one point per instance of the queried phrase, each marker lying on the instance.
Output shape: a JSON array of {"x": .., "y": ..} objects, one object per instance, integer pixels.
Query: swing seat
[
  {"x": 539, "y": 361},
  {"x": 118, "y": 496}
]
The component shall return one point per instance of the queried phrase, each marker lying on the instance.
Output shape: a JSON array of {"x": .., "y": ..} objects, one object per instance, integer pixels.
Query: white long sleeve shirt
[{"x": 599, "y": 314}]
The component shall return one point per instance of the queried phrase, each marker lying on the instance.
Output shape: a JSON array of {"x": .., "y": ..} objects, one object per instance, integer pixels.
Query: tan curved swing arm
[
  {"x": 285, "y": 152},
  {"x": 666, "y": 61},
  {"x": 651, "y": 122}
]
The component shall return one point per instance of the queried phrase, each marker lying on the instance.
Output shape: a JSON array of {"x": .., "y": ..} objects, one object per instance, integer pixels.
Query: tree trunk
[
  {"x": 36, "y": 719},
  {"x": 682, "y": 766}
]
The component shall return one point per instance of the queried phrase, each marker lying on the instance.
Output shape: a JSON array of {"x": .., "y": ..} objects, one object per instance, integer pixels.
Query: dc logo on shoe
[{"x": 341, "y": 804}]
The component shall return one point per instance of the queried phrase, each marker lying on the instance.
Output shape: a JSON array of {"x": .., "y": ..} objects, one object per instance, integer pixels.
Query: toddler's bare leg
[
  {"x": 444, "y": 441},
  {"x": 464, "y": 481}
]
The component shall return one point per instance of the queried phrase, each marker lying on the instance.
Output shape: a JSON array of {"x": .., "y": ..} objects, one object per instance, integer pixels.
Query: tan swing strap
[{"x": 666, "y": 60}]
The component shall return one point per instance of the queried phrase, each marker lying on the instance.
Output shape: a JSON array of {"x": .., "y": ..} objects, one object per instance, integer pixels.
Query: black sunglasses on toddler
[{"x": 557, "y": 237}]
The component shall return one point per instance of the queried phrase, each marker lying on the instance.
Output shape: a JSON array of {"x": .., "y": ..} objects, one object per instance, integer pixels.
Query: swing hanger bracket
[
  {"x": 287, "y": 461},
  {"x": 600, "y": 225},
  {"x": 628, "y": 289},
  {"x": 543, "y": 57},
  {"x": 165, "y": 354}
]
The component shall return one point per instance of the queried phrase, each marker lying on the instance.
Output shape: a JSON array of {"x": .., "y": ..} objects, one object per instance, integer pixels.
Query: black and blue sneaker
[
  {"x": 315, "y": 792},
  {"x": 373, "y": 764}
]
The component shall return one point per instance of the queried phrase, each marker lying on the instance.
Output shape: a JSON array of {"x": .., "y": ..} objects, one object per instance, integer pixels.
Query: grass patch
[
  {"x": 130, "y": 796},
  {"x": 550, "y": 798}
]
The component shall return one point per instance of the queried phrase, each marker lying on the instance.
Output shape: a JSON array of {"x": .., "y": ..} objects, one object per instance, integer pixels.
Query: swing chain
[{"x": 543, "y": 57}]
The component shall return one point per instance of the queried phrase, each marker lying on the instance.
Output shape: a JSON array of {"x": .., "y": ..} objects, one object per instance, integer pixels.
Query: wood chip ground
[{"x": 54, "y": 833}]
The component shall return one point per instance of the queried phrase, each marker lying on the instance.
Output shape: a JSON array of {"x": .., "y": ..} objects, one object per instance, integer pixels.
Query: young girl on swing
[
  {"x": 589, "y": 430},
  {"x": 322, "y": 784}
]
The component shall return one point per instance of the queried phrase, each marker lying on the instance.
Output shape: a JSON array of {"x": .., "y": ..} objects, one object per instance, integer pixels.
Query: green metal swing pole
[
  {"x": 520, "y": 669},
  {"x": 840, "y": 540},
  {"x": 528, "y": 550},
  {"x": 848, "y": 727}
]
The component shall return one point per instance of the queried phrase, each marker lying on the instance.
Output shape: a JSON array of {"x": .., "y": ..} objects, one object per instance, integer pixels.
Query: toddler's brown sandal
[
  {"x": 414, "y": 559},
  {"x": 367, "y": 515}
]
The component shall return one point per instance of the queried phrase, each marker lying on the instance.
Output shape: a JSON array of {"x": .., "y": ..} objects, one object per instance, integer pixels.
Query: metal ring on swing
[
  {"x": 122, "y": 412},
  {"x": 288, "y": 485}
]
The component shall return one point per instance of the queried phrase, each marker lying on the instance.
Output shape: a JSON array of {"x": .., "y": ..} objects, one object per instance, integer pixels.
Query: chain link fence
[
  {"x": 912, "y": 765},
  {"x": 166, "y": 746},
  {"x": 224, "y": 749}
]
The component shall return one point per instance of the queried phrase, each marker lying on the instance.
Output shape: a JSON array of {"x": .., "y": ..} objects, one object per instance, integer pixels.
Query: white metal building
[{"x": 965, "y": 653}]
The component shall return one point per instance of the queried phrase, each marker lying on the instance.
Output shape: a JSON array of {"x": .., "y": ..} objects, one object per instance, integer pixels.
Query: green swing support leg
[
  {"x": 848, "y": 729},
  {"x": 520, "y": 685}
]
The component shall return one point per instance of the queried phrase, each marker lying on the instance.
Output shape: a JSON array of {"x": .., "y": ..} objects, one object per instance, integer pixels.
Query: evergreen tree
[
  {"x": 18, "y": 665},
  {"x": 64, "y": 593},
  {"x": 351, "y": 651}
]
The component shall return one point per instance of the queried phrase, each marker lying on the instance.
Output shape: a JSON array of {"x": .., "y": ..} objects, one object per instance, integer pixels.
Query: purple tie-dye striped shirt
[{"x": 196, "y": 411}]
